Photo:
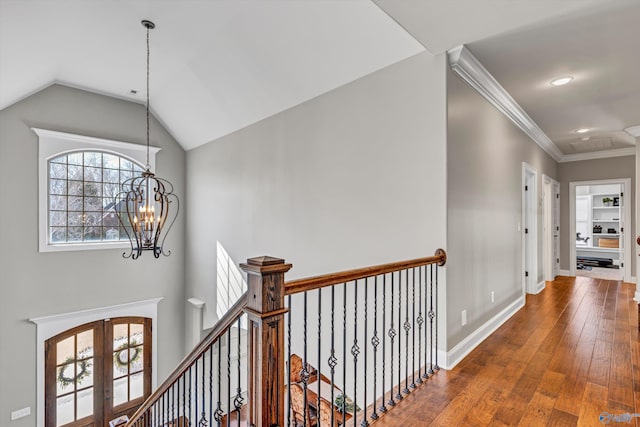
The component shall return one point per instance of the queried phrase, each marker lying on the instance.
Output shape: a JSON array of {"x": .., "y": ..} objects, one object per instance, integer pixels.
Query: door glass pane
[
  {"x": 65, "y": 378},
  {"x": 64, "y": 410},
  {"x": 137, "y": 385},
  {"x": 85, "y": 344},
  {"x": 64, "y": 350},
  {"x": 84, "y": 373},
  {"x": 136, "y": 333},
  {"x": 120, "y": 336},
  {"x": 120, "y": 387},
  {"x": 85, "y": 403},
  {"x": 136, "y": 357},
  {"x": 120, "y": 362}
]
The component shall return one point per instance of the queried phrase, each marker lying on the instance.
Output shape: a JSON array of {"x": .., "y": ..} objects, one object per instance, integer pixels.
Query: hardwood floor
[{"x": 570, "y": 354}]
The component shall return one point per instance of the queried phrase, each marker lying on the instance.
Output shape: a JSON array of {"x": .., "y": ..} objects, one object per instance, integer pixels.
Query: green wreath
[
  {"x": 123, "y": 362},
  {"x": 85, "y": 371}
]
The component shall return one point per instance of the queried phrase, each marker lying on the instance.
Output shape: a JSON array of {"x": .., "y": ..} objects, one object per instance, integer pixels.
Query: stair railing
[{"x": 378, "y": 322}]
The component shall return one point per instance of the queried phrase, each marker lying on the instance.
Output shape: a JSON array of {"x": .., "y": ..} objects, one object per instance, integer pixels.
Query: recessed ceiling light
[
  {"x": 583, "y": 130},
  {"x": 561, "y": 81},
  {"x": 585, "y": 138}
]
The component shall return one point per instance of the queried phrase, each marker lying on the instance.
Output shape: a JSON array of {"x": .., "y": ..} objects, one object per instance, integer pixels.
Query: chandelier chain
[{"x": 147, "y": 107}]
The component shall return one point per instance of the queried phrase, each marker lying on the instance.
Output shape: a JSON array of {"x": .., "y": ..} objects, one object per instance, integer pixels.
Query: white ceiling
[
  {"x": 220, "y": 65},
  {"x": 216, "y": 66}
]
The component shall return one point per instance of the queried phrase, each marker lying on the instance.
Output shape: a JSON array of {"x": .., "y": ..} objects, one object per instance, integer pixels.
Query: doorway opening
[
  {"x": 530, "y": 282},
  {"x": 598, "y": 215},
  {"x": 551, "y": 228}
]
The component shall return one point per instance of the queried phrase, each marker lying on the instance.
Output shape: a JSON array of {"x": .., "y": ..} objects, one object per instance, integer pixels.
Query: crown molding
[
  {"x": 619, "y": 152},
  {"x": 473, "y": 72}
]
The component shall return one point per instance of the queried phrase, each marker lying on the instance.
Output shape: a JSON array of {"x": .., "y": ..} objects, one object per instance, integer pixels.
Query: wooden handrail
[
  {"x": 219, "y": 329},
  {"x": 310, "y": 283}
]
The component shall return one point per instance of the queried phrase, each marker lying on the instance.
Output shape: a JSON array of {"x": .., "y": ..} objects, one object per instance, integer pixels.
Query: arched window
[
  {"x": 78, "y": 179},
  {"x": 82, "y": 190}
]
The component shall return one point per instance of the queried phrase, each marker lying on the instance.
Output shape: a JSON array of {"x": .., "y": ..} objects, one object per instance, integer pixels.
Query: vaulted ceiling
[{"x": 220, "y": 65}]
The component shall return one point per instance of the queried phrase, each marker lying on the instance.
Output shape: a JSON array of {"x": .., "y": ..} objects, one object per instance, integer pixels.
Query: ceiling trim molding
[
  {"x": 475, "y": 74},
  {"x": 619, "y": 152}
]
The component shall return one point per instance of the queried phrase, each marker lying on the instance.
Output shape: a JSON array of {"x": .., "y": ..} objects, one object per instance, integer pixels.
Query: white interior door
[{"x": 556, "y": 228}]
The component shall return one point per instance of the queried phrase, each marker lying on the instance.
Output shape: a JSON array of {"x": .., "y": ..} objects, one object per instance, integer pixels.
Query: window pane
[
  {"x": 120, "y": 362},
  {"x": 85, "y": 403},
  {"x": 136, "y": 357},
  {"x": 137, "y": 385},
  {"x": 110, "y": 233},
  {"x": 74, "y": 172},
  {"x": 84, "y": 372},
  {"x": 120, "y": 391},
  {"x": 85, "y": 344},
  {"x": 75, "y": 203},
  {"x": 65, "y": 410},
  {"x": 65, "y": 350},
  {"x": 110, "y": 191},
  {"x": 74, "y": 234},
  {"x": 57, "y": 170},
  {"x": 75, "y": 218},
  {"x": 58, "y": 186},
  {"x": 92, "y": 219},
  {"x": 110, "y": 161},
  {"x": 75, "y": 188},
  {"x": 58, "y": 234},
  {"x": 111, "y": 175},
  {"x": 92, "y": 233},
  {"x": 92, "y": 174},
  {"x": 125, "y": 164},
  {"x": 58, "y": 203},
  {"x": 75, "y": 158},
  {"x": 93, "y": 189},
  {"x": 65, "y": 378},
  {"x": 59, "y": 159},
  {"x": 137, "y": 333},
  {"x": 93, "y": 204},
  {"x": 57, "y": 218},
  {"x": 93, "y": 159}
]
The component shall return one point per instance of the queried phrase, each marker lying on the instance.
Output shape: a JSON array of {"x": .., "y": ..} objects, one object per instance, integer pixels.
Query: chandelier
[{"x": 146, "y": 206}]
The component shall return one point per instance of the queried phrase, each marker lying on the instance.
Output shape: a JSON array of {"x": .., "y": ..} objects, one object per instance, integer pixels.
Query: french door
[{"x": 97, "y": 372}]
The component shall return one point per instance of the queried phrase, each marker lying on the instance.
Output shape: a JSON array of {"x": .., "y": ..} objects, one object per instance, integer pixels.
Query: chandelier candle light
[{"x": 144, "y": 205}]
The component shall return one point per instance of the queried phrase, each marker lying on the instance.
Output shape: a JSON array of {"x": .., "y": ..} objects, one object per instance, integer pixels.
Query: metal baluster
[
  {"x": 319, "y": 347},
  {"x": 420, "y": 322},
  {"x": 171, "y": 400},
  {"x": 407, "y": 327},
  {"x": 229, "y": 377},
  {"x": 203, "y": 415},
  {"x": 436, "y": 316},
  {"x": 164, "y": 407},
  {"x": 304, "y": 375},
  {"x": 218, "y": 414},
  {"x": 332, "y": 359},
  {"x": 392, "y": 334},
  {"x": 413, "y": 330},
  {"x": 431, "y": 315},
  {"x": 355, "y": 351},
  {"x": 399, "y": 394},
  {"x": 364, "y": 422},
  {"x": 374, "y": 342},
  {"x": 383, "y": 408},
  {"x": 239, "y": 400},
  {"x": 425, "y": 374},
  {"x": 189, "y": 416},
  {"x": 344, "y": 351},
  {"x": 289, "y": 362},
  {"x": 211, "y": 384},
  {"x": 195, "y": 388}
]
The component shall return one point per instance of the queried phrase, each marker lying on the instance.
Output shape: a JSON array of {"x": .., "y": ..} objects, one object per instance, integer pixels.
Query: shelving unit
[{"x": 608, "y": 218}]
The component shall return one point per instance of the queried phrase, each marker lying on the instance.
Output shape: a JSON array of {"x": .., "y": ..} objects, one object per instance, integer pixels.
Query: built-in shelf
[{"x": 596, "y": 249}]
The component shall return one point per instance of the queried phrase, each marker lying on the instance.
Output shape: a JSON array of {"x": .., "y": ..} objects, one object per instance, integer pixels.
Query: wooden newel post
[{"x": 266, "y": 309}]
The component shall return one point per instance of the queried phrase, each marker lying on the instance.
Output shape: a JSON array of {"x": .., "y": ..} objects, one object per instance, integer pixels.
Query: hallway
[{"x": 570, "y": 355}]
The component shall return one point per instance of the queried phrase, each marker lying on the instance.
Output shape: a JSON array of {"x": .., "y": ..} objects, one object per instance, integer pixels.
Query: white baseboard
[
  {"x": 564, "y": 273},
  {"x": 538, "y": 288},
  {"x": 457, "y": 353},
  {"x": 633, "y": 279}
]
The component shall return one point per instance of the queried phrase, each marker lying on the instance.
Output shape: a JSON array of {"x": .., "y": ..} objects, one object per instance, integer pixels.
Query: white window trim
[
  {"x": 53, "y": 144},
  {"x": 50, "y": 326}
]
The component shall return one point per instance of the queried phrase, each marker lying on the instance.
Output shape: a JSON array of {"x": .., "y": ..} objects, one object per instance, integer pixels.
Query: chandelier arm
[
  {"x": 117, "y": 201},
  {"x": 177, "y": 201}
]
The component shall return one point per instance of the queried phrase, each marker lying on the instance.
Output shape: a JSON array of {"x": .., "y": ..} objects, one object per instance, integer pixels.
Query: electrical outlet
[
  {"x": 21, "y": 413},
  {"x": 493, "y": 296},
  {"x": 464, "y": 317}
]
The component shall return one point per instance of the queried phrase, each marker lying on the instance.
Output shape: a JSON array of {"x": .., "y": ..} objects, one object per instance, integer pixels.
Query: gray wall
[
  {"x": 589, "y": 170},
  {"x": 38, "y": 284},
  {"x": 354, "y": 177},
  {"x": 485, "y": 151}
]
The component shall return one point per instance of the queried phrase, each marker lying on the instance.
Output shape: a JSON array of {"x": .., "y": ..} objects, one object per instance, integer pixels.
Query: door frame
[
  {"x": 551, "y": 202},
  {"x": 625, "y": 219},
  {"x": 529, "y": 227},
  {"x": 50, "y": 326}
]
